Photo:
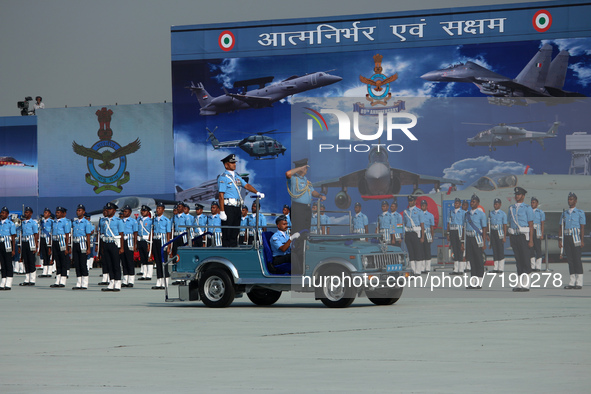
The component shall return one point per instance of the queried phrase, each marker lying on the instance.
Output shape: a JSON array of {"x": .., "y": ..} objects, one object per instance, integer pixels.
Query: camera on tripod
[{"x": 24, "y": 106}]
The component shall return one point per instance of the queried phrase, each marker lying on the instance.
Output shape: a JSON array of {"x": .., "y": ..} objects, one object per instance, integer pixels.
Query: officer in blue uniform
[
  {"x": 360, "y": 221},
  {"x": 397, "y": 225},
  {"x": 252, "y": 221},
  {"x": 29, "y": 242},
  {"x": 112, "y": 246},
  {"x": 162, "y": 228},
  {"x": 190, "y": 220},
  {"x": 497, "y": 221},
  {"x": 476, "y": 228},
  {"x": 179, "y": 220},
  {"x": 81, "y": 231},
  {"x": 61, "y": 246},
  {"x": 7, "y": 248},
  {"x": 572, "y": 239},
  {"x": 539, "y": 221},
  {"x": 213, "y": 225},
  {"x": 414, "y": 234},
  {"x": 229, "y": 184},
  {"x": 384, "y": 226},
  {"x": 287, "y": 212},
  {"x": 521, "y": 229},
  {"x": 130, "y": 233},
  {"x": 144, "y": 242},
  {"x": 201, "y": 221},
  {"x": 45, "y": 243},
  {"x": 429, "y": 225},
  {"x": 301, "y": 192},
  {"x": 281, "y": 247},
  {"x": 243, "y": 236},
  {"x": 455, "y": 226}
]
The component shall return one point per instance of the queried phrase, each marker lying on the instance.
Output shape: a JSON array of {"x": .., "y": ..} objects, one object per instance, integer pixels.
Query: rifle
[
  {"x": 562, "y": 234},
  {"x": 98, "y": 239},
  {"x": 150, "y": 241}
]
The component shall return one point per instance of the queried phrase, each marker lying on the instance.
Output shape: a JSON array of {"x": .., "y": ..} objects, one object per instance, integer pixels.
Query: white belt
[
  {"x": 495, "y": 226},
  {"x": 410, "y": 229},
  {"x": 160, "y": 236},
  {"x": 232, "y": 202},
  {"x": 78, "y": 239},
  {"x": 108, "y": 239},
  {"x": 454, "y": 226},
  {"x": 178, "y": 233},
  {"x": 143, "y": 237},
  {"x": 571, "y": 231}
]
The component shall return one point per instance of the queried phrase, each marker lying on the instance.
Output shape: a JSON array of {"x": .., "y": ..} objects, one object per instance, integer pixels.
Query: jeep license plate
[{"x": 393, "y": 267}]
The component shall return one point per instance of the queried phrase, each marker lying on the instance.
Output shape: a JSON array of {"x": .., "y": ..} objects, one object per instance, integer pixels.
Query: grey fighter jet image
[
  {"x": 262, "y": 97},
  {"x": 11, "y": 161},
  {"x": 378, "y": 181},
  {"x": 541, "y": 77},
  {"x": 506, "y": 135}
]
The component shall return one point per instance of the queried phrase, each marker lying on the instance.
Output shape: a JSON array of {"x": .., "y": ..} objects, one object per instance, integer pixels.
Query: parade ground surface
[{"x": 449, "y": 340}]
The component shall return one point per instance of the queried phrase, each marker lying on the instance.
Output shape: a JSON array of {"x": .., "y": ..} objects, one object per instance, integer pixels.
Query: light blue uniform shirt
[
  {"x": 143, "y": 227},
  {"x": 252, "y": 220},
  {"x": 539, "y": 216},
  {"x": 81, "y": 227},
  {"x": 456, "y": 218},
  {"x": 520, "y": 215},
  {"x": 229, "y": 188},
  {"x": 162, "y": 225},
  {"x": 573, "y": 220},
  {"x": 7, "y": 228},
  {"x": 475, "y": 221},
  {"x": 416, "y": 215},
  {"x": 62, "y": 226},
  {"x": 359, "y": 222},
  {"x": 201, "y": 221},
  {"x": 129, "y": 225},
  {"x": 46, "y": 225},
  {"x": 277, "y": 240},
  {"x": 214, "y": 220},
  {"x": 497, "y": 218},
  {"x": 111, "y": 227},
  {"x": 29, "y": 227},
  {"x": 396, "y": 224},
  {"x": 301, "y": 189}
]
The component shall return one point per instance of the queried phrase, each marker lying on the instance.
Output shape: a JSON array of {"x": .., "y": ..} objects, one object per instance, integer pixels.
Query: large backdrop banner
[{"x": 438, "y": 103}]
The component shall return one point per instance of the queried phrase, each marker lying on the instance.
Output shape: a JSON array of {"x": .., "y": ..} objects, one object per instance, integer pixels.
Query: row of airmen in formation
[
  {"x": 57, "y": 239},
  {"x": 469, "y": 229}
]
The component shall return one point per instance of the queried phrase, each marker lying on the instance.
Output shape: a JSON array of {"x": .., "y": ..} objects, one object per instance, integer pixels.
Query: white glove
[
  {"x": 294, "y": 236},
  {"x": 223, "y": 216},
  {"x": 260, "y": 195}
]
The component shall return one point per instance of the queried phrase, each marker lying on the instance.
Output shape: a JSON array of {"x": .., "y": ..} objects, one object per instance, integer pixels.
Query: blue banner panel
[
  {"x": 106, "y": 151},
  {"x": 18, "y": 156}
]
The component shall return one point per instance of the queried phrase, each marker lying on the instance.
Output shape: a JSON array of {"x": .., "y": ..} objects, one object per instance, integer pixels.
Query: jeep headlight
[{"x": 365, "y": 261}]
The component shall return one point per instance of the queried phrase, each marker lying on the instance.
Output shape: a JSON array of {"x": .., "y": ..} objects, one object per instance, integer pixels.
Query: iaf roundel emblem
[
  {"x": 226, "y": 40},
  {"x": 542, "y": 21}
]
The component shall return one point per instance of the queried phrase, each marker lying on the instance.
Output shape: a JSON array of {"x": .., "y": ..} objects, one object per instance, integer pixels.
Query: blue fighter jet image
[
  {"x": 541, "y": 77},
  {"x": 262, "y": 97}
]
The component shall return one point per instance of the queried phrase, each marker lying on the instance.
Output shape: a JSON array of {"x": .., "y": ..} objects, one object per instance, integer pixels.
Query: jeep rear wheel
[
  {"x": 387, "y": 297},
  {"x": 261, "y": 296},
  {"x": 340, "y": 295},
  {"x": 216, "y": 289}
]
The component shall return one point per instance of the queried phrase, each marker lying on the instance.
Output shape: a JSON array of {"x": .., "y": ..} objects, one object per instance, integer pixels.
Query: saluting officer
[
  {"x": 229, "y": 184},
  {"x": 112, "y": 247},
  {"x": 572, "y": 238},
  {"x": 429, "y": 224},
  {"x": 497, "y": 221},
  {"x": 536, "y": 251},
  {"x": 397, "y": 225},
  {"x": 475, "y": 226},
  {"x": 521, "y": 230},
  {"x": 162, "y": 232},
  {"x": 301, "y": 192},
  {"x": 213, "y": 225},
  {"x": 30, "y": 241},
  {"x": 414, "y": 234},
  {"x": 45, "y": 243},
  {"x": 385, "y": 222},
  {"x": 130, "y": 231},
  {"x": 455, "y": 225},
  {"x": 360, "y": 221},
  {"x": 7, "y": 248},
  {"x": 61, "y": 246},
  {"x": 81, "y": 231},
  {"x": 201, "y": 221},
  {"x": 144, "y": 240}
]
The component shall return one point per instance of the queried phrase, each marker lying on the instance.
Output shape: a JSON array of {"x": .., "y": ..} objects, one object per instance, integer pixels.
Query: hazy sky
[{"x": 102, "y": 52}]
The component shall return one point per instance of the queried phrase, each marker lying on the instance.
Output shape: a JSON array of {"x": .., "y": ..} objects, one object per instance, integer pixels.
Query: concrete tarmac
[{"x": 449, "y": 340}]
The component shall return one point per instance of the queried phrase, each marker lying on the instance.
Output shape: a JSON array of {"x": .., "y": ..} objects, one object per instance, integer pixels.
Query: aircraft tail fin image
[
  {"x": 214, "y": 141},
  {"x": 202, "y": 96},
  {"x": 178, "y": 189},
  {"x": 554, "y": 129},
  {"x": 535, "y": 72},
  {"x": 557, "y": 71}
]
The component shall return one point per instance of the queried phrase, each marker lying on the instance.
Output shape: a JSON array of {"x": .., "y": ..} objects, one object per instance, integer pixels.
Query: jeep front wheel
[
  {"x": 263, "y": 297},
  {"x": 337, "y": 293},
  {"x": 216, "y": 289},
  {"x": 386, "y": 297}
]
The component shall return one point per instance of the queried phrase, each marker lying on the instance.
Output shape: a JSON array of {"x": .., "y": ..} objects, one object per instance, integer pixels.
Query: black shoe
[
  {"x": 76, "y": 288},
  {"x": 31, "y": 283},
  {"x": 535, "y": 270},
  {"x": 24, "y": 284},
  {"x": 84, "y": 288},
  {"x": 176, "y": 283},
  {"x": 147, "y": 278},
  {"x": 569, "y": 287},
  {"x": 523, "y": 290},
  {"x": 55, "y": 285},
  {"x": 60, "y": 285},
  {"x": 2, "y": 288},
  {"x": 130, "y": 285},
  {"x": 140, "y": 274},
  {"x": 424, "y": 272},
  {"x": 141, "y": 278},
  {"x": 470, "y": 287},
  {"x": 577, "y": 287},
  {"x": 116, "y": 289},
  {"x": 516, "y": 289},
  {"x": 103, "y": 283},
  {"x": 8, "y": 288},
  {"x": 106, "y": 289},
  {"x": 123, "y": 284}
]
